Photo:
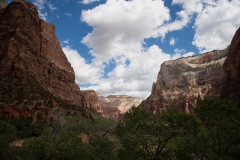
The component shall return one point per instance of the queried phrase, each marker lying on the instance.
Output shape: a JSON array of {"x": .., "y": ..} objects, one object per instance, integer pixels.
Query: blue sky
[{"x": 116, "y": 47}]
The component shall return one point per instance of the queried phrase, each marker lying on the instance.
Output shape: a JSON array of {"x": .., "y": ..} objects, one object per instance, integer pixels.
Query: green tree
[
  {"x": 66, "y": 146},
  {"x": 7, "y": 134},
  {"x": 102, "y": 148},
  {"x": 152, "y": 134},
  {"x": 221, "y": 118}
]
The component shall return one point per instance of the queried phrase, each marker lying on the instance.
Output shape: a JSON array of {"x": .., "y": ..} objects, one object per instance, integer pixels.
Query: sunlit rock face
[
  {"x": 181, "y": 82},
  {"x": 116, "y": 105},
  {"x": 231, "y": 67}
]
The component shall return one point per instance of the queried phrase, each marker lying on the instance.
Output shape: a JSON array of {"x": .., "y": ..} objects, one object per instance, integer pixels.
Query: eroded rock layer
[
  {"x": 231, "y": 67},
  {"x": 181, "y": 82}
]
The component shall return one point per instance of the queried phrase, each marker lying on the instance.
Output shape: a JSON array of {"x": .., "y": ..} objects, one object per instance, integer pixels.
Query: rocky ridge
[{"x": 181, "y": 82}]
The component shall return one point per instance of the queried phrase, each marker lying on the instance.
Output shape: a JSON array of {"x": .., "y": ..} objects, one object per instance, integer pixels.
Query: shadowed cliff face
[
  {"x": 30, "y": 50},
  {"x": 181, "y": 82},
  {"x": 231, "y": 67}
]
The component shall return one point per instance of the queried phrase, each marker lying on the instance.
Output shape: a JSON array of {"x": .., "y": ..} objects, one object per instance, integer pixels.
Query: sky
[{"x": 116, "y": 47}]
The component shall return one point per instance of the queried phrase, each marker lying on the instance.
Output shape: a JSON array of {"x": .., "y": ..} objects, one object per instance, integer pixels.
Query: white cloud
[
  {"x": 87, "y": 1},
  {"x": 51, "y": 7},
  {"x": 40, "y": 4},
  {"x": 43, "y": 15},
  {"x": 216, "y": 25},
  {"x": 68, "y": 14},
  {"x": 85, "y": 73},
  {"x": 181, "y": 53},
  {"x": 135, "y": 78},
  {"x": 120, "y": 25},
  {"x": 66, "y": 41},
  {"x": 191, "y": 6},
  {"x": 119, "y": 30},
  {"x": 172, "y": 41}
]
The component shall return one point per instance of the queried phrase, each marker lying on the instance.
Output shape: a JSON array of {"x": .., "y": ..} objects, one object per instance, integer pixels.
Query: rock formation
[
  {"x": 3, "y": 4},
  {"x": 231, "y": 68},
  {"x": 31, "y": 53},
  {"x": 181, "y": 82},
  {"x": 29, "y": 49},
  {"x": 116, "y": 105}
]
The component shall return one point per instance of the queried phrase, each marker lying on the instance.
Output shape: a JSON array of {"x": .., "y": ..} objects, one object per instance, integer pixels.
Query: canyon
[
  {"x": 42, "y": 79},
  {"x": 31, "y": 53}
]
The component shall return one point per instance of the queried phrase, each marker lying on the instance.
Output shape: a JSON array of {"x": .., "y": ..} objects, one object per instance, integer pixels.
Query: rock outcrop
[
  {"x": 29, "y": 49},
  {"x": 116, "y": 105},
  {"x": 231, "y": 68},
  {"x": 181, "y": 82},
  {"x": 31, "y": 53},
  {"x": 3, "y": 4}
]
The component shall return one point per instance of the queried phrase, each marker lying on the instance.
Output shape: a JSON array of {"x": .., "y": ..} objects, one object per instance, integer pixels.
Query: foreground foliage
[{"x": 213, "y": 133}]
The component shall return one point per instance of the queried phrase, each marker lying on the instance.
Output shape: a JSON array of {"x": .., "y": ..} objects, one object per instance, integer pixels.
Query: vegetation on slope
[
  {"x": 26, "y": 92},
  {"x": 212, "y": 134}
]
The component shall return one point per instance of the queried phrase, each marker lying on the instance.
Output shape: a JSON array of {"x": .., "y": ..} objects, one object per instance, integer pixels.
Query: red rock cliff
[
  {"x": 30, "y": 49},
  {"x": 231, "y": 67},
  {"x": 181, "y": 82}
]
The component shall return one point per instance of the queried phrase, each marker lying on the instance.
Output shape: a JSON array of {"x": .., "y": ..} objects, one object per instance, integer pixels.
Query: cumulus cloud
[
  {"x": 216, "y": 25},
  {"x": 135, "y": 78},
  {"x": 172, "y": 41},
  {"x": 85, "y": 73},
  {"x": 87, "y": 1},
  {"x": 120, "y": 26},
  {"x": 119, "y": 30}
]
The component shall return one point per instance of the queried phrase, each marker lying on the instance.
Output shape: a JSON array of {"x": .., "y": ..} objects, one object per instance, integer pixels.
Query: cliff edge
[{"x": 231, "y": 68}]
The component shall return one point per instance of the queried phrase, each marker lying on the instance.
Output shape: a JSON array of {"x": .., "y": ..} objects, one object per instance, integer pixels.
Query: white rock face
[
  {"x": 117, "y": 105},
  {"x": 181, "y": 82}
]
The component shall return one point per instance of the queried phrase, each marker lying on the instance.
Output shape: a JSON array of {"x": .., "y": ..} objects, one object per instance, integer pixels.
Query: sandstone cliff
[
  {"x": 181, "y": 82},
  {"x": 29, "y": 48},
  {"x": 231, "y": 67},
  {"x": 116, "y": 105},
  {"x": 31, "y": 52}
]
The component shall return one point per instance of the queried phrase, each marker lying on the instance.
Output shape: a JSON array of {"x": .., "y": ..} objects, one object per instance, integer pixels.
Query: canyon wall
[
  {"x": 181, "y": 82},
  {"x": 231, "y": 68}
]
